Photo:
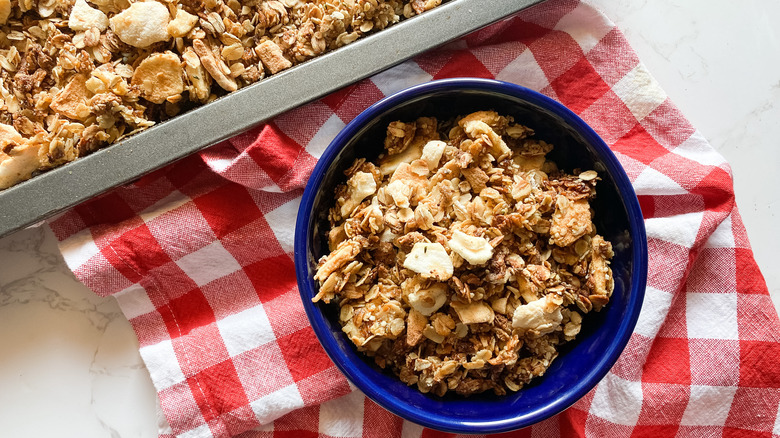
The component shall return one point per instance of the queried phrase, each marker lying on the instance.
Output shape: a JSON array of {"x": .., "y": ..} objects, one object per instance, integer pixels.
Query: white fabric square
[
  {"x": 400, "y": 77},
  {"x": 411, "y": 430},
  {"x": 219, "y": 164},
  {"x": 525, "y": 71},
  {"x": 653, "y": 182},
  {"x": 271, "y": 187},
  {"x": 697, "y": 148},
  {"x": 322, "y": 138},
  {"x": 208, "y": 263},
  {"x": 134, "y": 301},
  {"x": 276, "y": 404},
  {"x": 282, "y": 221},
  {"x": 681, "y": 229},
  {"x": 640, "y": 92},
  {"x": 722, "y": 237},
  {"x": 78, "y": 249},
  {"x": 201, "y": 431},
  {"x": 245, "y": 330},
  {"x": 586, "y": 25},
  {"x": 343, "y": 417},
  {"x": 164, "y": 205},
  {"x": 708, "y": 405},
  {"x": 617, "y": 400},
  {"x": 163, "y": 365},
  {"x": 711, "y": 315},
  {"x": 655, "y": 307}
]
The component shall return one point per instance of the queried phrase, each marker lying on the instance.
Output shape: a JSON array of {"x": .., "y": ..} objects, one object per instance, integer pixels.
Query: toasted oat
[{"x": 471, "y": 243}]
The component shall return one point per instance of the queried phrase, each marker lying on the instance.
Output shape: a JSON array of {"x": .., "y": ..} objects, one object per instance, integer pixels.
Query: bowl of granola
[{"x": 471, "y": 255}]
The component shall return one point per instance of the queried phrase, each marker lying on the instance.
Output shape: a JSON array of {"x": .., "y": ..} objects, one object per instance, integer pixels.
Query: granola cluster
[
  {"x": 463, "y": 259},
  {"x": 77, "y": 75}
]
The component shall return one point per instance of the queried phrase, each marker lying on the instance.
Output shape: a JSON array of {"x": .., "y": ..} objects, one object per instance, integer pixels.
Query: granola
[
  {"x": 78, "y": 75},
  {"x": 463, "y": 259}
]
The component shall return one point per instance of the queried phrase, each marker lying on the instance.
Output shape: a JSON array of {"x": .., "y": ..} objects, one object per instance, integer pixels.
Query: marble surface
[{"x": 70, "y": 365}]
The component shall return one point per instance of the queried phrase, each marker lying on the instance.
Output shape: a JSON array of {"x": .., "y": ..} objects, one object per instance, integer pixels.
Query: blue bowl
[{"x": 583, "y": 362}]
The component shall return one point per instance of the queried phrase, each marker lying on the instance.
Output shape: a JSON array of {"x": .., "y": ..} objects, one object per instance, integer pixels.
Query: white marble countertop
[{"x": 70, "y": 365}]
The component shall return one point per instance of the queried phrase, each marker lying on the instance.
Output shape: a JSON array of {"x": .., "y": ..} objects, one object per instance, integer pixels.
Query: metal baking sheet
[{"x": 54, "y": 191}]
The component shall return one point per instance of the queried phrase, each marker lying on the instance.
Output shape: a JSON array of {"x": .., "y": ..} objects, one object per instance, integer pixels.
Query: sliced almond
[
  {"x": 215, "y": 67},
  {"x": 473, "y": 313}
]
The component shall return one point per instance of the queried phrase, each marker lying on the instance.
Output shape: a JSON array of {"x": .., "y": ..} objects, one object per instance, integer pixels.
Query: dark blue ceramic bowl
[{"x": 583, "y": 362}]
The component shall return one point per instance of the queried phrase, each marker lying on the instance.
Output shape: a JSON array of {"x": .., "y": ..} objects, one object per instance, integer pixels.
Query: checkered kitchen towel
[{"x": 199, "y": 256}]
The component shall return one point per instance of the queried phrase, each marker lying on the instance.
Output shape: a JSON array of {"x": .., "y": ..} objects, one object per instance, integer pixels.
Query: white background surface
[{"x": 70, "y": 365}]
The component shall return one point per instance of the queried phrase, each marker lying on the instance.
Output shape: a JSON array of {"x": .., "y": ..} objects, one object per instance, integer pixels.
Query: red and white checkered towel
[{"x": 199, "y": 256}]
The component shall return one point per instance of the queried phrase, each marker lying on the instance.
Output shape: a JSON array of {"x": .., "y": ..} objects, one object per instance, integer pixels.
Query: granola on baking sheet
[
  {"x": 78, "y": 75},
  {"x": 463, "y": 259}
]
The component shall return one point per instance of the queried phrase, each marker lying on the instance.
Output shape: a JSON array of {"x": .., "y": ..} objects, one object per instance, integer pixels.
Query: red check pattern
[{"x": 199, "y": 257}]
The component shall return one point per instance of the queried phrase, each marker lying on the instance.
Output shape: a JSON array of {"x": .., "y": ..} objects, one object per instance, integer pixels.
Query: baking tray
[{"x": 56, "y": 190}]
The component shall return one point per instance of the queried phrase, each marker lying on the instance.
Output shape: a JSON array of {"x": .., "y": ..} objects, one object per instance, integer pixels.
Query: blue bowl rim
[{"x": 639, "y": 257}]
